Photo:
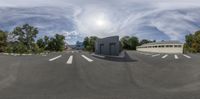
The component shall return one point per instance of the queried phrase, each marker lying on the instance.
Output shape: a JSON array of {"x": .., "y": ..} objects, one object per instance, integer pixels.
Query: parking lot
[{"x": 78, "y": 75}]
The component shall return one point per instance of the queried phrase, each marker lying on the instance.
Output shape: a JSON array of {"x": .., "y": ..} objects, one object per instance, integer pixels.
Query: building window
[
  {"x": 169, "y": 45},
  {"x": 162, "y": 46},
  {"x": 178, "y": 46}
]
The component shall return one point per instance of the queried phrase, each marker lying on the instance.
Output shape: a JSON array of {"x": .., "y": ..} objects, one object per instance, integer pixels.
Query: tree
[
  {"x": 192, "y": 42},
  {"x": 26, "y": 35},
  {"x": 92, "y": 42},
  {"x": 189, "y": 40},
  {"x": 145, "y": 41},
  {"x": 41, "y": 43},
  {"x": 197, "y": 40},
  {"x": 129, "y": 43},
  {"x": 86, "y": 42},
  {"x": 20, "y": 48},
  {"x": 89, "y": 43},
  {"x": 3, "y": 40},
  {"x": 56, "y": 43},
  {"x": 133, "y": 42},
  {"x": 36, "y": 48},
  {"x": 60, "y": 43},
  {"x": 124, "y": 42},
  {"x": 52, "y": 44},
  {"x": 46, "y": 41}
]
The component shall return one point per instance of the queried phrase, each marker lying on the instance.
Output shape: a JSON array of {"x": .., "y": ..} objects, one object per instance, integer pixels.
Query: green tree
[
  {"x": 124, "y": 42},
  {"x": 52, "y": 44},
  {"x": 89, "y": 43},
  {"x": 41, "y": 43},
  {"x": 189, "y": 40},
  {"x": 36, "y": 48},
  {"x": 46, "y": 41},
  {"x": 92, "y": 42},
  {"x": 3, "y": 40},
  {"x": 197, "y": 41},
  {"x": 192, "y": 42},
  {"x": 25, "y": 35},
  {"x": 129, "y": 43},
  {"x": 56, "y": 43},
  {"x": 145, "y": 41},
  {"x": 86, "y": 42},
  {"x": 20, "y": 48},
  {"x": 133, "y": 42},
  {"x": 60, "y": 42}
]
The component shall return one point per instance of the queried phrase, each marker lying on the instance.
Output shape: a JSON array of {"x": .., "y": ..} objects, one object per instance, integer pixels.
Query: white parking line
[
  {"x": 155, "y": 55},
  {"x": 69, "y": 61},
  {"x": 175, "y": 56},
  {"x": 145, "y": 53},
  {"x": 88, "y": 59},
  {"x": 165, "y": 56},
  {"x": 55, "y": 58},
  {"x": 186, "y": 56}
]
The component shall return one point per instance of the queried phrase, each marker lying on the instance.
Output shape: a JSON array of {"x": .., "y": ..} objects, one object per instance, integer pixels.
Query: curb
[
  {"x": 121, "y": 55},
  {"x": 99, "y": 56},
  {"x": 16, "y": 54}
]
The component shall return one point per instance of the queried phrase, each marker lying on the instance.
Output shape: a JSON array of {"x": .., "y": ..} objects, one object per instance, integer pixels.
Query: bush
[
  {"x": 21, "y": 48},
  {"x": 36, "y": 49},
  {"x": 9, "y": 49}
]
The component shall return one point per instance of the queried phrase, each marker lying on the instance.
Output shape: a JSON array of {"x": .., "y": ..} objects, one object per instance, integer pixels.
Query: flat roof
[
  {"x": 163, "y": 42},
  {"x": 109, "y": 38}
]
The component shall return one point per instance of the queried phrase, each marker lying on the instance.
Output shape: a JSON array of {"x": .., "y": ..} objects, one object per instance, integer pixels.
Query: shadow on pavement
[{"x": 126, "y": 58}]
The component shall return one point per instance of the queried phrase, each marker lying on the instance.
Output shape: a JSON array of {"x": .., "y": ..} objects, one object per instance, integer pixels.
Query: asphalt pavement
[{"x": 78, "y": 75}]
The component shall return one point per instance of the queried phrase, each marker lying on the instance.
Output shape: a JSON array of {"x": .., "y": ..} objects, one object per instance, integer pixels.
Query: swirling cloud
[{"x": 149, "y": 19}]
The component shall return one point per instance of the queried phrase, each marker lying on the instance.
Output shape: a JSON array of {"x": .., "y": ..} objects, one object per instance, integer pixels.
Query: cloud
[{"x": 147, "y": 19}]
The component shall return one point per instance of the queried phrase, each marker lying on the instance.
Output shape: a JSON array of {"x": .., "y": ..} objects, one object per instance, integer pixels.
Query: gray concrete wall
[{"x": 106, "y": 49}]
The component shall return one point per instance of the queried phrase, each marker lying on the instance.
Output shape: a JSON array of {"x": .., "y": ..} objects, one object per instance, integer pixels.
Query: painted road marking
[
  {"x": 88, "y": 59},
  {"x": 186, "y": 56},
  {"x": 145, "y": 53},
  {"x": 155, "y": 55},
  {"x": 55, "y": 58},
  {"x": 165, "y": 56},
  {"x": 69, "y": 61},
  {"x": 175, "y": 56}
]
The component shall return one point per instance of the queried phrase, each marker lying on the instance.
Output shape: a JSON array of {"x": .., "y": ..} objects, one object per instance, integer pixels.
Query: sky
[{"x": 76, "y": 19}]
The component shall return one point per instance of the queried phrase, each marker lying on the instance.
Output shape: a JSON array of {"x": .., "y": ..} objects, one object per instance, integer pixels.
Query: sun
[
  {"x": 100, "y": 22},
  {"x": 95, "y": 22}
]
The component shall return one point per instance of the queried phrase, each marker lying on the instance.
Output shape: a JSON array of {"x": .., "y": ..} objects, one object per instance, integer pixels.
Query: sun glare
[{"x": 100, "y": 22}]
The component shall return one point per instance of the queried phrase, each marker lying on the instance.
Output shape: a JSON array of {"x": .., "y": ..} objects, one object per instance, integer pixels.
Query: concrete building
[
  {"x": 108, "y": 46},
  {"x": 162, "y": 47}
]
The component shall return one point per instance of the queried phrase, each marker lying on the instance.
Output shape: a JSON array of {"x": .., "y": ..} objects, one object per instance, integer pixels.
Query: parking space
[
  {"x": 164, "y": 56},
  {"x": 74, "y": 72},
  {"x": 70, "y": 56}
]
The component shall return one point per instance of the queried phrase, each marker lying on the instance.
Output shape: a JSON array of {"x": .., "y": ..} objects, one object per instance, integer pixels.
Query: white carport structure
[{"x": 162, "y": 47}]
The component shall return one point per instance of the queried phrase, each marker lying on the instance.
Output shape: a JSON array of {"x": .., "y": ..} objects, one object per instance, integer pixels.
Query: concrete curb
[
  {"x": 16, "y": 54},
  {"x": 99, "y": 56},
  {"x": 121, "y": 55}
]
